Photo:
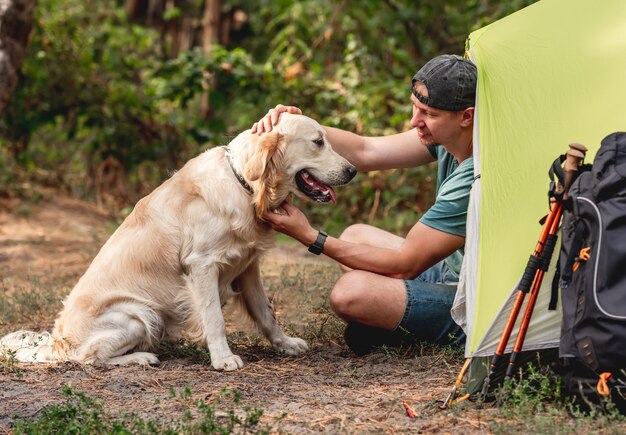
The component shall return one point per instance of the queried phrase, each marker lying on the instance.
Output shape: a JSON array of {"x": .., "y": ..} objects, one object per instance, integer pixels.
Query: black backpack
[{"x": 592, "y": 268}]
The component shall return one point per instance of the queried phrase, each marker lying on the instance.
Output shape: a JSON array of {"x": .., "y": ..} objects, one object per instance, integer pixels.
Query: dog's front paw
[
  {"x": 290, "y": 345},
  {"x": 146, "y": 358},
  {"x": 228, "y": 363},
  {"x": 140, "y": 358}
]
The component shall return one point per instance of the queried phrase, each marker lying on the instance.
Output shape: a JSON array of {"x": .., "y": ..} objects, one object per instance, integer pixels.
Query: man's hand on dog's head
[{"x": 267, "y": 123}]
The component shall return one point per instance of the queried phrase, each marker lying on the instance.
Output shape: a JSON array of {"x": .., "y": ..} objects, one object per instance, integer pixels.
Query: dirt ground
[{"x": 327, "y": 390}]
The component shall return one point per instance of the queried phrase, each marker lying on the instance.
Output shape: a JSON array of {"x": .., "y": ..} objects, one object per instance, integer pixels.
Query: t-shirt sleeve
[{"x": 449, "y": 212}]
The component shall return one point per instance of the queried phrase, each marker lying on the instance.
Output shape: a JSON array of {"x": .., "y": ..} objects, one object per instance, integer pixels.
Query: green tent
[{"x": 549, "y": 75}]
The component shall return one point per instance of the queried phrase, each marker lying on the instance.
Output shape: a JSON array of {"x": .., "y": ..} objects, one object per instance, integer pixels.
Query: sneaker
[{"x": 363, "y": 339}]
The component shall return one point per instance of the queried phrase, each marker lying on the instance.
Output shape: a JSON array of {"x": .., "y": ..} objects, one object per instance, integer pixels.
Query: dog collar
[{"x": 239, "y": 177}]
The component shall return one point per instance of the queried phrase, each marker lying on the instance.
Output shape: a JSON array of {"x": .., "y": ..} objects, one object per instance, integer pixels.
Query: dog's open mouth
[{"x": 314, "y": 188}]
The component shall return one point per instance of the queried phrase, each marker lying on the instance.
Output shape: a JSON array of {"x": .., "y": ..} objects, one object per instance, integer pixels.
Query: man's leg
[
  {"x": 374, "y": 304},
  {"x": 369, "y": 299},
  {"x": 371, "y": 304},
  {"x": 366, "y": 297}
]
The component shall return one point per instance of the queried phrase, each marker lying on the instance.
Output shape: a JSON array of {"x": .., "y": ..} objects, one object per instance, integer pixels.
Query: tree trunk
[
  {"x": 210, "y": 36},
  {"x": 16, "y": 17},
  {"x": 211, "y": 24},
  {"x": 146, "y": 12}
]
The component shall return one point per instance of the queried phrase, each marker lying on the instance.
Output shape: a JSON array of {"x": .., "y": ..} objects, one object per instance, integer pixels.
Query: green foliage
[
  {"x": 101, "y": 98},
  {"x": 9, "y": 363},
  {"x": 533, "y": 402},
  {"x": 531, "y": 390},
  {"x": 81, "y": 414},
  {"x": 181, "y": 80},
  {"x": 96, "y": 87},
  {"x": 184, "y": 350}
]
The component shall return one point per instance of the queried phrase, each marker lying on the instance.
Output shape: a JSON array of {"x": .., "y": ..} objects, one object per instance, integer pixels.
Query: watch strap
[{"x": 317, "y": 247}]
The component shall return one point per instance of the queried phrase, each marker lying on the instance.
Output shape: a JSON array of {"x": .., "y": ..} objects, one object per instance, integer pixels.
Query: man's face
[{"x": 434, "y": 126}]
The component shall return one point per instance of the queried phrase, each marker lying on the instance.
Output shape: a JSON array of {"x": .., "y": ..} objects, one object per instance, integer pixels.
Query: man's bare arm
[
  {"x": 423, "y": 247},
  {"x": 369, "y": 153}
]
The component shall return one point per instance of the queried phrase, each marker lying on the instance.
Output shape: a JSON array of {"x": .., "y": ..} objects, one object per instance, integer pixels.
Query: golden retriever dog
[{"x": 187, "y": 248}]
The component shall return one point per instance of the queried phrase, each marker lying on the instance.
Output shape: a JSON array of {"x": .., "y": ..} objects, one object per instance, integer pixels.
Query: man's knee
[
  {"x": 354, "y": 233},
  {"x": 346, "y": 295},
  {"x": 349, "y": 294}
]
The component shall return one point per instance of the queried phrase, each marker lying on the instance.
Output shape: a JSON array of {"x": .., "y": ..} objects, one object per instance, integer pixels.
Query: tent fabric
[{"x": 549, "y": 75}]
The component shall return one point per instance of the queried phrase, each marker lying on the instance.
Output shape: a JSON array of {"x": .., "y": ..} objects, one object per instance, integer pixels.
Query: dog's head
[{"x": 295, "y": 157}]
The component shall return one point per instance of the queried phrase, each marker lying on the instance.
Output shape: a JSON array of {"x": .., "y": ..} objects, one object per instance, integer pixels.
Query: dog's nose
[{"x": 350, "y": 172}]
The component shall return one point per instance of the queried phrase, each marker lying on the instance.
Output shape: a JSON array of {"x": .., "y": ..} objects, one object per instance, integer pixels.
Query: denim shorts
[{"x": 429, "y": 299}]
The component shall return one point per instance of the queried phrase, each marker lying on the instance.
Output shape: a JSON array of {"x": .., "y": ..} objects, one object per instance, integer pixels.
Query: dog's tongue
[{"x": 315, "y": 184}]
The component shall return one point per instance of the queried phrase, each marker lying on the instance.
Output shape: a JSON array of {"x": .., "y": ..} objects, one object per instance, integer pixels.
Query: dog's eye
[{"x": 319, "y": 142}]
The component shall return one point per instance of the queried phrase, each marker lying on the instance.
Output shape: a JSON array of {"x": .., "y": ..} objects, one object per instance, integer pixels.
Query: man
[{"x": 392, "y": 284}]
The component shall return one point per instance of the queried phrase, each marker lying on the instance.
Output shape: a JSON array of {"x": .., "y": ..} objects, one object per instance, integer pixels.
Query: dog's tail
[{"x": 29, "y": 346}]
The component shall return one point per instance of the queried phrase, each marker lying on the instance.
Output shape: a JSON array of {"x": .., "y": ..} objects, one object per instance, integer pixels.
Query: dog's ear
[
  {"x": 265, "y": 168},
  {"x": 264, "y": 149}
]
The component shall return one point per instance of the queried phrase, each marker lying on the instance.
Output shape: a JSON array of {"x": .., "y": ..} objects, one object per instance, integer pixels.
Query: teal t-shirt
[{"x": 449, "y": 212}]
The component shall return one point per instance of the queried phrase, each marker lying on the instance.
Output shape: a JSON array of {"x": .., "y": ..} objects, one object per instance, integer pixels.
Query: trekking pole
[
  {"x": 534, "y": 292},
  {"x": 574, "y": 157},
  {"x": 522, "y": 289},
  {"x": 529, "y": 278}
]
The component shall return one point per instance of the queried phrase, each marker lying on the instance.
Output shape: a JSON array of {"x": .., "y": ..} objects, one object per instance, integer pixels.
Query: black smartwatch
[{"x": 317, "y": 247}]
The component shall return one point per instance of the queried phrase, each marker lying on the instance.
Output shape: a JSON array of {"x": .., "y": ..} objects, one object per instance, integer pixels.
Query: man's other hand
[{"x": 291, "y": 221}]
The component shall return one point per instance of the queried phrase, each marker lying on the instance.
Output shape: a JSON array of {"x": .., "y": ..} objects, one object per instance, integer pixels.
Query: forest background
[{"x": 115, "y": 95}]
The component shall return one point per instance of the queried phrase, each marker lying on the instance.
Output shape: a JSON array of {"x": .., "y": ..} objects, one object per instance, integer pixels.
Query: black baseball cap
[{"x": 451, "y": 83}]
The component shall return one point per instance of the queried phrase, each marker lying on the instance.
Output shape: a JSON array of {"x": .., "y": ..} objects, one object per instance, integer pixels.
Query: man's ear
[
  {"x": 467, "y": 117},
  {"x": 265, "y": 149}
]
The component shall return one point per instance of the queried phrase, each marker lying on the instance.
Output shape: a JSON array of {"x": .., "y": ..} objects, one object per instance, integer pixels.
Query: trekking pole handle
[{"x": 573, "y": 158}]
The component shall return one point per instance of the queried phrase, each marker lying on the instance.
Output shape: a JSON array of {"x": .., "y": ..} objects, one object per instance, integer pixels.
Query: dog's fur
[{"x": 185, "y": 250}]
